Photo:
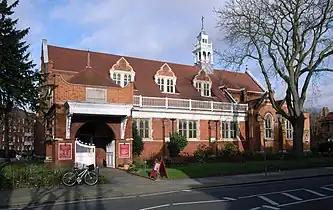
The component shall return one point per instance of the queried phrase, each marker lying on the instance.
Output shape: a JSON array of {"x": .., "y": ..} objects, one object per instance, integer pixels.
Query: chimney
[{"x": 325, "y": 111}]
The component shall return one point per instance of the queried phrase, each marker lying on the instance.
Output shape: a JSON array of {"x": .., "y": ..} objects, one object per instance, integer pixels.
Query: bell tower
[{"x": 203, "y": 50}]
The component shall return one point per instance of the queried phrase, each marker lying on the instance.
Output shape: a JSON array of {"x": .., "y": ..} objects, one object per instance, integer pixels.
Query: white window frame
[
  {"x": 160, "y": 83},
  {"x": 204, "y": 88},
  {"x": 230, "y": 130},
  {"x": 96, "y": 99},
  {"x": 271, "y": 128},
  {"x": 165, "y": 86},
  {"x": 116, "y": 77},
  {"x": 122, "y": 78},
  {"x": 137, "y": 122},
  {"x": 198, "y": 86},
  {"x": 289, "y": 129},
  {"x": 127, "y": 79},
  {"x": 187, "y": 128}
]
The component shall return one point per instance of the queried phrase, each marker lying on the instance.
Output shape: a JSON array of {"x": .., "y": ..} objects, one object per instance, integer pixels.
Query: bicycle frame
[{"x": 80, "y": 175}]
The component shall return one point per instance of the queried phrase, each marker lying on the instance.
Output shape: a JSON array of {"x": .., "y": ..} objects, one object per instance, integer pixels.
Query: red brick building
[
  {"x": 98, "y": 95},
  {"x": 21, "y": 132}
]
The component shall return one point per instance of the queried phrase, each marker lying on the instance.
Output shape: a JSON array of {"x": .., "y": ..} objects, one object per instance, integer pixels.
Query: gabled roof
[
  {"x": 75, "y": 60},
  {"x": 255, "y": 103}
]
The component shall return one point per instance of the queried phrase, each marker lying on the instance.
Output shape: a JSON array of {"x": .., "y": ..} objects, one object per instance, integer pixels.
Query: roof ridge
[{"x": 144, "y": 59}]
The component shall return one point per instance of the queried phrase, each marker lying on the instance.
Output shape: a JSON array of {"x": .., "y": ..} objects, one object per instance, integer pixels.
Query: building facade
[
  {"x": 99, "y": 95},
  {"x": 21, "y": 132},
  {"x": 323, "y": 126}
]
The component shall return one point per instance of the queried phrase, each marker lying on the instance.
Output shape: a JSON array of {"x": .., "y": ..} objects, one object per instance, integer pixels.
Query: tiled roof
[
  {"x": 91, "y": 76},
  {"x": 329, "y": 116},
  {"x": 76, "y": 60}
]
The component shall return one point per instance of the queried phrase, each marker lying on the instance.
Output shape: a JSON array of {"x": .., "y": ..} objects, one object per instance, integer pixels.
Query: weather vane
[{"x": 202, "y": 22}]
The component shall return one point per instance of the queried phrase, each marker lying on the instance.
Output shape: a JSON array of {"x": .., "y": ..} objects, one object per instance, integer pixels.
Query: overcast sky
[{"x": 163, "y": 30}]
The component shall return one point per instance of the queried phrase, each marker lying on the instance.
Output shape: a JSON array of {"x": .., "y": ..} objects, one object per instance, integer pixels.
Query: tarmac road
[{"x": 305, "y": 194}]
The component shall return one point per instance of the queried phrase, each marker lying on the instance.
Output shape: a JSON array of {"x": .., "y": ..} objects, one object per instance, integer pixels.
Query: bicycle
[{"x": 88, "y": 175}]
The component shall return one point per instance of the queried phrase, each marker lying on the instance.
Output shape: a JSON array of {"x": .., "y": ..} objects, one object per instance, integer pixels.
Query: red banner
[
  {"x": 124, "y": 150},
  {"x": 158, "y": 169},
  {"x": 65, "y": 151}
]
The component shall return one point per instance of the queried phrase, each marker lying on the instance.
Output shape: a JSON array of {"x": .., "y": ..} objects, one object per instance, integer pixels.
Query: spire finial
[
  {"x": 202, "y": 23},
  {"x": 88, "y": 59}
]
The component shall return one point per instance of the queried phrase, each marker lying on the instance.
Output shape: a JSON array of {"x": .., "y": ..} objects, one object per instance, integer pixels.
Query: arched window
[
  {"x": 204, "y": 55},
  {"x": 268, "y": 126}
]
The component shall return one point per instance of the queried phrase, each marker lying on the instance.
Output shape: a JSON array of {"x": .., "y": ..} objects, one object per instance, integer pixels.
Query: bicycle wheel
[
  {"x": 69, "y": 179},
  {"x": 91, "y": 178}
]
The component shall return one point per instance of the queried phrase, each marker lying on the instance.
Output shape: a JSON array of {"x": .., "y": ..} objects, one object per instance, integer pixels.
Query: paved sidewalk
[{"x": 32, "y": 197}]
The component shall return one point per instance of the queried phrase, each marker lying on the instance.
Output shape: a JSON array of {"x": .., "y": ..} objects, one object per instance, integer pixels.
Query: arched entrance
[{"x": 99, "y": 134}]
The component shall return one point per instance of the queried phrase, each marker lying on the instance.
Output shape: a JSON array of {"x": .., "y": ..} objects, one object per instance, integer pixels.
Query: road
[{"x": 302, "y": 194}]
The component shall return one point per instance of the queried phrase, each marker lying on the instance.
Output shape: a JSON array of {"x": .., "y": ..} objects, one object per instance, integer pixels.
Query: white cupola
[{"x": 203, "y": 50}]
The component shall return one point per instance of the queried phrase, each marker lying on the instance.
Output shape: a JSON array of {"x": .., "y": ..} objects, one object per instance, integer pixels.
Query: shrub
[
  {"x": 29, "y": 175},
  {"x": 137, "y": 166},
  {"x": 203, "y": 153},
  {"x": 177, "y": 144},
  {"x": 138, "y": 144},
  {"x": 229, "y": 149}
]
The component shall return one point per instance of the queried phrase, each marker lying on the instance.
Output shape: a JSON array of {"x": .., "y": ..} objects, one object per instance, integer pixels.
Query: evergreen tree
[
  {"x": 20, "y": 84},
  {"x": 137, "y": 141}
]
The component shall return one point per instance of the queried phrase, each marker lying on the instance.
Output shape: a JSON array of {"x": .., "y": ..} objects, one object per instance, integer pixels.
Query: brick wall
[
  {"x": 207, "y": 129},
  {"x": 72, "y": 92},
  {"x": 279, "y": 141}
]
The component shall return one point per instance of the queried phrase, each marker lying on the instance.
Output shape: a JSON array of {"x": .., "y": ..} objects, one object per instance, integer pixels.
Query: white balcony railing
[{"x": 187, "y": 104}]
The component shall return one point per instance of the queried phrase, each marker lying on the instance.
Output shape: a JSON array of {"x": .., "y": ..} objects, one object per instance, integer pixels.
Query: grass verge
[{"x": 197, "y": 170}]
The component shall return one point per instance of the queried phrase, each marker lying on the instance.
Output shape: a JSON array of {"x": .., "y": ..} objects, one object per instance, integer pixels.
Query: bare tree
[{"x": 291, "y": 39}]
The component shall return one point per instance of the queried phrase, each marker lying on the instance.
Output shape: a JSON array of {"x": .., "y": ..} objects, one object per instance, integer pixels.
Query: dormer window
[
  {"x": 117, "y": 78},
  {"x": 160, "y": 83},
  {"x": 203, "y": 88},
  {"x": 166, "y": 84},
  {"x": 127, "y": 79},
  {"x": 166, "y": 79},
  {"x": 170, "y": 86},
  {"x": 122, "y": 73},
  {"x": 203, "y": 83}
]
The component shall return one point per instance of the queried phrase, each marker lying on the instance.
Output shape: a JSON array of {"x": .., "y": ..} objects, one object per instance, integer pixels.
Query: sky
[{"x": 162, "y": 30}]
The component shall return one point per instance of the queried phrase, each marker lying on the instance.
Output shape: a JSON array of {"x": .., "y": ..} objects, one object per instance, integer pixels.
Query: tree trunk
[
  {"x": 8, "y": 110},
  {"x": 298, "y": 126}
]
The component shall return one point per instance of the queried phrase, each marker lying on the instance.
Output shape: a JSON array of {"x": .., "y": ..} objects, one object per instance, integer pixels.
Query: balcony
[{"x": 187, "y": 104}]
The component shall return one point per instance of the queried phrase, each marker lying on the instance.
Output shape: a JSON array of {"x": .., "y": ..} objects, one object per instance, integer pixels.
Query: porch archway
[{"x": 99, "y": 134}]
